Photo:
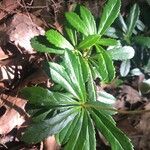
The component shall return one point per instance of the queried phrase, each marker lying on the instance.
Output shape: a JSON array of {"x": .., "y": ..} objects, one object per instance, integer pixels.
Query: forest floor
[{"x": 20, "y": 66}]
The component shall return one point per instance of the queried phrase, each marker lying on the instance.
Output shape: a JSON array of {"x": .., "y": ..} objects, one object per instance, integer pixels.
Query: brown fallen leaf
[
  {"x": 131, "y": 94},
  {"x": 21, "y": 30},
  {"x": 127, "y": 95},
  {"x": 7, "y": 7},
  {"x": 50, "y": 144},
  {"x": 14, "y": 115},
  {"x": 144, "y": 126},
  {"x": 2, "y": 55}
]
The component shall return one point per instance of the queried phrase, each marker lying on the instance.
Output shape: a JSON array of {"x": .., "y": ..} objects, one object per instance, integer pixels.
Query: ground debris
[
  {"x": 14, "y": 114},
  {"x": 22, "y": 29}
]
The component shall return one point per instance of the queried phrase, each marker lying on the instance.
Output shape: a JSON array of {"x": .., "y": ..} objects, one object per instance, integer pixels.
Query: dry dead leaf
[
  {"x": 2, "y": 55},
  {"x": 127, "y": 94},
  {"x": 51, "y": 144},
  {"x": 131, "y": 94},
  {"x": 144, "y": 126},
  {"x": 7, "y": 7},
  {"x": 14, "y": 115},
  {"x": 21, "y": 30}
]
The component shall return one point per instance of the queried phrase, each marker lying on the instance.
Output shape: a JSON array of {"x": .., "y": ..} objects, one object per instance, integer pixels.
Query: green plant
[
  {"x": 72, "y": 109},
  {"x": 84, "y": 35},
  {"x": 131, "y": 31}
]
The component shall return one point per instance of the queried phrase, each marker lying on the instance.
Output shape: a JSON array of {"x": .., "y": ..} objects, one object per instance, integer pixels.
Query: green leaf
[
  {"x": 105, "y": 65},
  {"x": 140, "y": 26},
  {"x": 132, "y": 19},
  {"x": 107, "y": 42},
  {"x": 58, "y": 40},
  {"x": 105, "y": 97},
  {"x": 40, "y": 115},
  {"x": 82, "y": 142},
  {"x": 87, "y": 143},
  {"x": 117, "y": 139},
  {"x": 60, "y": 76},
  {"x": 72, "y": 35},
  {"x": 85, "y": 68},
  {"x": 110, "y": 13},
  {"x": 92, "y": 138},
  {"x": 91, "y": 87},
  {"x": 106, "y": 109},
  {"x": 44, "y": 97},
  {"x": 143, "y": 41},
  {"x": 75, "y": 134},
  {"x": 88, "y": 19},
  {"x": 121, "y": 53},
  {"x": 122, "y": 23},
  {"x": 136, "y": 72},
  {"x": 125, "y": 68},
  {"x": 65, "y": 134},
  {"x": 74, "y": 71},
  {"x": 40, "y": 44},
  {"x": 38, "y": 96},
  {"x": 83, "y": 135},
  {"x": 37, "y": 132},
  {"x": 111, "y": 32},
  {"x": 88, "y": 42},
  {"x": 76, "y": 22}
]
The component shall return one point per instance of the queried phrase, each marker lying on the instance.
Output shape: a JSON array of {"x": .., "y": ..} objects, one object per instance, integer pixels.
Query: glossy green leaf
[
  {"x": 40, "y": 44},
  {"x": 76, "y": 22},
  {"x": 58, "y": 40},
  {"x": 106, "y": 109},
  {"x": 85, "y": 68},
  {"x": 38, "y": 96},
  {"x": 91, "y": 87},
  {"x": 40, "y": 115},
  {"x": 43, "y": 97},
  {"x": 72, "y": 35},
  {"x": 59, "y": 75},
  {"x": 83, "y": 135},
  {"x": 132, "y": 19},
  {"x": 111, "y": 32},
  {"x": 92, "y": 138},
  {"x": 74, "y": 71},
  {"x": 105, "y": 97},
  {"x": 143, "y": 41},
  {"x": 37, "y": 132},
  {"x": 122, "y": 23},
  {"x": 65, "y": 134},
  {"x": 101, "y": 67},
  {"x": 109, "y": 14},
  {"x": 140, "y": 25},
  {"x": 75, "y": 134},
  {"x": 117, "y": 139},
  {"x": 82, "y": 142},
  {"x": 105, "y": 65},
  {"x": 125, "y": 68},
  {"x": 107, "y": 42},
  {"x": 88, "y": 42},
  {"x": 88, "y": 19},
  {"x": 121, "y": 53}
]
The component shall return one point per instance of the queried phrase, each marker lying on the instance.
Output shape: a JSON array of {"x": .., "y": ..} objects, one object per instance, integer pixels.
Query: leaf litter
[{"x": 20, "y": 29}]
